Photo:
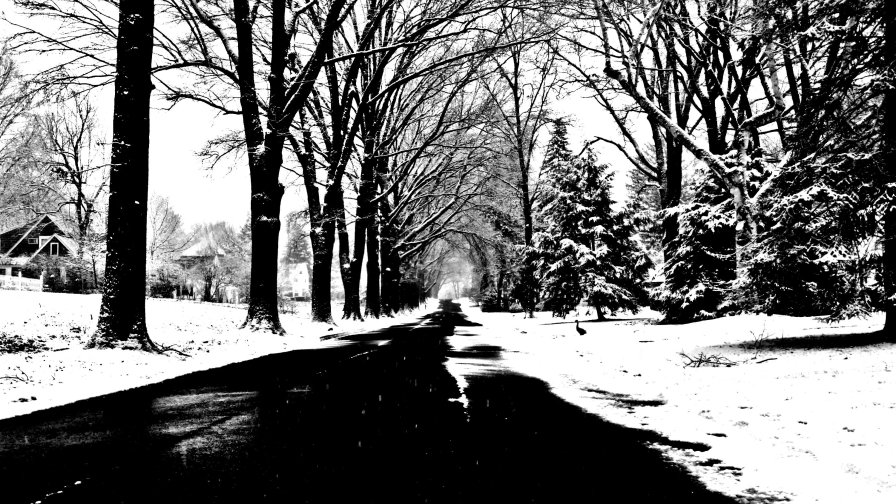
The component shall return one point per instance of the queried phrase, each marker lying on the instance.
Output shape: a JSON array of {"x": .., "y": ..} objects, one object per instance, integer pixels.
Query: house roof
[
  {"x": 31, "y": 226},
  {"x": 205, "y": 247},
  {"x": 66, "y": 242}
]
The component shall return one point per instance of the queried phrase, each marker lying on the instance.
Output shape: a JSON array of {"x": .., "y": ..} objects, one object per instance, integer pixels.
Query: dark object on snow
[{"x": 579, "y": 329}]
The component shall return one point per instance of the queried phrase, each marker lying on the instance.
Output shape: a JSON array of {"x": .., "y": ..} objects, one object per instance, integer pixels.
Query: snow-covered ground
[
  {"x": 805, "y": 412},
  {"x": 58, "y": 370}
]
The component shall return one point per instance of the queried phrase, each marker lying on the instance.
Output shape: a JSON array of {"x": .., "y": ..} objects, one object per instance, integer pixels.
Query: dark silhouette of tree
[
  {"x": 888, "y": 126},
  {"x": 123, "y": 309}
]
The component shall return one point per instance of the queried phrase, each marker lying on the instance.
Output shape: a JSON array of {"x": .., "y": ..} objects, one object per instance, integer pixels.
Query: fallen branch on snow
[
  {"x": 713, "y": 360},
  {"x": 19, "y": 376}
]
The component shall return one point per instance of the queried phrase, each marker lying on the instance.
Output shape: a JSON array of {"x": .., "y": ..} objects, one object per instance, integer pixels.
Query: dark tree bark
[
  {"x": 320, "y": 277},
  {"x": 265, "y": 158},
  {"x": 671, "y": 191},
  {"x": 265, "y": 149},
  {"x": 123, "y": 309},
  {"x": 363, "y": 222},
  {"x": 323, "y": 238},
  {"x": 388, "y": 273},
  {"x": 372, "y": 305},
  {"x": 888, "y": 123}
]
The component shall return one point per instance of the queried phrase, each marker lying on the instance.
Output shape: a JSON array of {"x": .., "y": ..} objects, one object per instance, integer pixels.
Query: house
[
  {"x": 36, "y": 250},
  {"x": 209, "y": 270},
  {"x": 298, "y": 282}
]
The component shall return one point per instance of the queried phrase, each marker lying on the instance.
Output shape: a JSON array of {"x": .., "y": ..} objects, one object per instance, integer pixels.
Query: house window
[
  {"x": 54, "y": 249},
  {"x": 44, "y": 240},
  {"x": 2, "y": 271},
  {"x": 32, "y": 241}
]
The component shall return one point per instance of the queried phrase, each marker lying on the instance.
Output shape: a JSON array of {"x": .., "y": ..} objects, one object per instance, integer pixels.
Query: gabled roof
[
  {"x": 204, "y": 248},
  {"x": 4, "y": 254},
  {"x": 66, "y": 242}
]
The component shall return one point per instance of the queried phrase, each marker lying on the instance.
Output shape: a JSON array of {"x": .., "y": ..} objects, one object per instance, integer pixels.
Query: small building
[
  {"x": 207, "y": 268},
  {"x": 298, "y": 282},
  {"x": 38, "y": 251}
]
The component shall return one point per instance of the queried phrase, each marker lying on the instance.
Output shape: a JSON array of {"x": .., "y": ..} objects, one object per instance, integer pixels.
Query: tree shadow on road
[{"x": 815, "y": 342}]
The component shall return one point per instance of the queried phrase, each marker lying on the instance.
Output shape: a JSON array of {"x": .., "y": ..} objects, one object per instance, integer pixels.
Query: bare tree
[
  {"x": 74, "y": 170},
  {"x": 19, "y": 145},
  {"x": 123, "y": 308},
  {"x": 165, "y": 231}
]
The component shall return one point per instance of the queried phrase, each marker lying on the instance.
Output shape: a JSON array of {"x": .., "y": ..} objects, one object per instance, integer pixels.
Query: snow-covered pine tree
[
  {"x": 816, "y": 254},
  {"x": 700, "y": 265},
  {"x": 612, "y": 264},
  {"x": 586, "y": 249},
  {"x": 555, "y": 249},
  {"x": 818, "y": 251}
]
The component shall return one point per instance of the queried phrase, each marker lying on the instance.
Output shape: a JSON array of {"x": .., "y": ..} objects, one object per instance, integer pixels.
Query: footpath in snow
[
  {"x": 43, "y": 362},
  {"x": 790, "y": 409}
]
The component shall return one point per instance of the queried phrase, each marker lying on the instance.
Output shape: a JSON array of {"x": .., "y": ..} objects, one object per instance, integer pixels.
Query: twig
[
  {"x": 170, "y": 348},
  {"x": 766, "y": 360},
  {"x": 26, "y": 378},
  {"x": 706, "y": 360}
]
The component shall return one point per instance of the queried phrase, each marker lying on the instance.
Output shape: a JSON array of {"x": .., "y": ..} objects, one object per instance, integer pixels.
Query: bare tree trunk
[
  {"x": 265, "y": 158},
  {"x": 671, "y": 191},
  {"x": 349, "y": 284},
  {"x": 364, "y": 221},
  {"x": 372, "y": 308},
  {"x": 266, "y": 148},
  {"x": 320, "y": 277},
  {"x": 388, "y": 275},
  {"x": 123, "y": 309}
]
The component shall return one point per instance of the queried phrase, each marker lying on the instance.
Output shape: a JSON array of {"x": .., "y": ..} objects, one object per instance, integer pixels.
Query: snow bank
[
  {"x": 62, "y": 371},
  {"x": 804, "y": 412}
]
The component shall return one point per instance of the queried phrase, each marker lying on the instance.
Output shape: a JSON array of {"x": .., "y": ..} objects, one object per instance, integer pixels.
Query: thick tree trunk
[
  {"x": 265, "y": 158},
  {"x": 388, "y": 275},
  {"x": 320, "y": 282},
  {"x": 364, "y": 221},
  {"x": 349, "y": 283},
  {"x": 671, "y": 191},
  {"x": 391, "y": 281},
  {"x": 267, "y": 193},
  {"x": 323, "y": 239},
  {"x": 888, "y": 123},
  {"x": 372, "y": 308},
  {"x": 123, "y": 309}
]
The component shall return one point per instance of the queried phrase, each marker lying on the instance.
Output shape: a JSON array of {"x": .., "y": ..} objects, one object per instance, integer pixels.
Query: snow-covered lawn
[
  {"x": 806, "y": 411},
  {"x": 55, "y": 369}
]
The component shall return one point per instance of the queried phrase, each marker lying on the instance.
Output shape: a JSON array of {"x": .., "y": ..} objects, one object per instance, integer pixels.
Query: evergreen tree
[
  {"x": 613, "y": 264},
  {"x": 555, "y": 249},
  {"x": 818, "y": 253},
  {"x": 586, "y": 249},
  {"x": 643, "y": 210},
  {"x": 700, "y": 268}
]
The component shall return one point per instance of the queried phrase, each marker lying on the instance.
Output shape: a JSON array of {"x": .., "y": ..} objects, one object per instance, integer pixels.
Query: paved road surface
[{"x": 372, "y": 421}]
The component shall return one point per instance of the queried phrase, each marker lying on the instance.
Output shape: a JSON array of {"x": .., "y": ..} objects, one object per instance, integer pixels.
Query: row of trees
[
  {"x": 758, "y": 137},
  {"x": 782, "y": 107},
  {"x": 414, "y": 128}
]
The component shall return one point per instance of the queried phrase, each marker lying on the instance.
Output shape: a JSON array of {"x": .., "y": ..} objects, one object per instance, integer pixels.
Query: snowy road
[{"x": 377, "y": 420}]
